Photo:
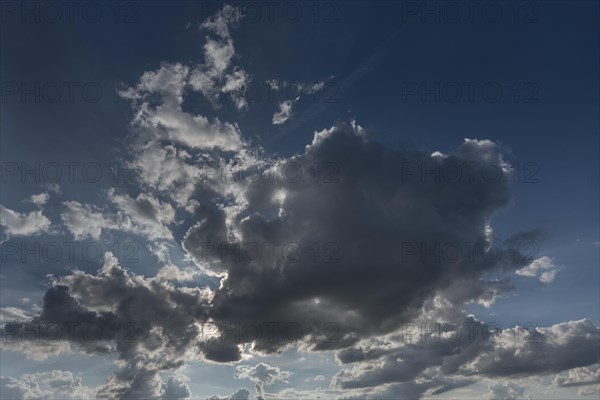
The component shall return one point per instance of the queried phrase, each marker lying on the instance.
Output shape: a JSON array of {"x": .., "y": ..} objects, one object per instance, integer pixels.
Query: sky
[{"x": 299, "y": 200}]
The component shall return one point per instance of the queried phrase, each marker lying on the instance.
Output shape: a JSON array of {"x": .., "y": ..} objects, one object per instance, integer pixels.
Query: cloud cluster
[
  {"x": 54, "y": 384},
  {"x": 381, "y": 238},
  {"x": 261, "y": 375},
  {"x": 144, "y": 215},
  {"x": 586, "y": 379},
  {"x": 447, "y": 343},
  {"x": 388, "y": 223},
  {"x": 150, "y": 323},
  {"x": 171, "y": 147}
]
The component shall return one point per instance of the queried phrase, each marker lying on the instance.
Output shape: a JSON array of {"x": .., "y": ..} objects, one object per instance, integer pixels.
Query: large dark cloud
[
  {"x": 387, "y": 224},
  {"x": 349, "y": 249},
  {"x": 375, "y": 238}
]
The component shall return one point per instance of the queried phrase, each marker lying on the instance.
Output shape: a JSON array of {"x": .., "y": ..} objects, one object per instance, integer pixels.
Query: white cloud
[
  {"x": 317, "y": 87},
  {"x": 39, "y": 199},
  {"x": 217, "y": 75},
  {"x": 284, "y": 113},
  {"x": 587, "y": 379},
  {"x": 169, "y": 122},
  {"x": 542, "y": 268},
  {"x": 167, "y": 169},
  {"x": 144, "y": 215},
  {"x": 13, "y": 314},
  {"x": 505, "y": 391},
  {"x": 54, "y": 384},
  {"x": 301, "y": 89},
  {"x": 261, "y": 375},
  {"x": 172, "y": 273},
  {"x": 85, "y": 221},
  {"x": 317, "y": 378},
  {"x": 174, "y": 388},
  {"x": 23, "y": 224}
]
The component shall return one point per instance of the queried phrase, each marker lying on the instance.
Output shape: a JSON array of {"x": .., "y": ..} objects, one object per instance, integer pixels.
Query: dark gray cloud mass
[
  {"x": 376, "y": 233},
  {"x": 387, "y": 237}
]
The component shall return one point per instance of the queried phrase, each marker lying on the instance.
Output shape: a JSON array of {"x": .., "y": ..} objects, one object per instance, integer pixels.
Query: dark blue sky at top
[{"x": 374, "y": 51}]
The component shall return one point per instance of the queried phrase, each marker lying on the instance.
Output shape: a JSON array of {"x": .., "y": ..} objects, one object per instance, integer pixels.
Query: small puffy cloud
[
  {"x": 284, "y": 113},
  {"x": 174, "y": 388},
  {"x": 316, "y": 378},
  {"x": 173, "y": 273},
  {"x": 261, "y": 375},
  {"x": 506, "y": 391},
  {"x": 316, "y": 87},
  {"x": 39, "y": 199},
  {"x": 235, "y": 85},
  {"x": 144, "y": 215},
  {"x": 542, "y": 268},
  {"x": 23, "y": 224},
  {"x": 300, "y": 89},
  {"x": 85, "y": 221},
  {"x": 167, "y": 169},
  {"x": 222, "y": 21}
]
